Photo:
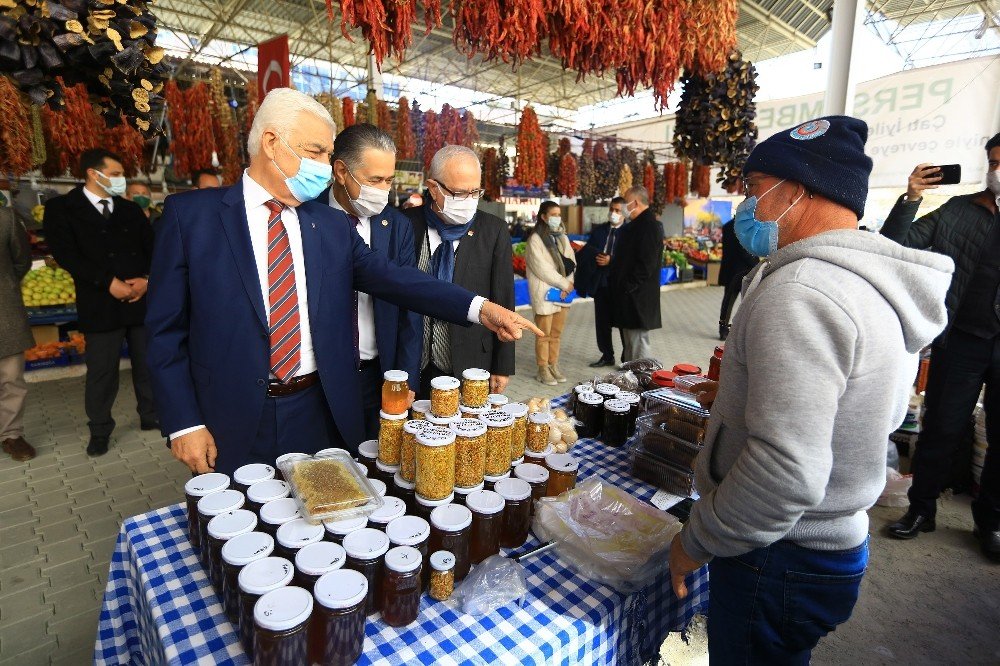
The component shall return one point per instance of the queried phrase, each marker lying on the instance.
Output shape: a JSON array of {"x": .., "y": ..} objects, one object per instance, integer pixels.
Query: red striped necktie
[{"x": 283, "y": 310}]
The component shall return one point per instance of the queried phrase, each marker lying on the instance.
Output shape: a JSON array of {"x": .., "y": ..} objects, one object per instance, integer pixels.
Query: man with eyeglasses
[
  {"x": 459, "y": 244},
  {"x": 389, "y": 337}
]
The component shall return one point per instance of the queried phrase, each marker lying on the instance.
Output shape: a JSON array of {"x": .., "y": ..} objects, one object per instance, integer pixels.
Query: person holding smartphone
[{"x": 551, "y": 265}]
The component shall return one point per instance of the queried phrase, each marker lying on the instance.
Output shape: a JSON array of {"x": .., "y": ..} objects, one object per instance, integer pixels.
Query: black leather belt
[
  {"x": 276, "y": 389},
  {"x": 367, "y": 364}
]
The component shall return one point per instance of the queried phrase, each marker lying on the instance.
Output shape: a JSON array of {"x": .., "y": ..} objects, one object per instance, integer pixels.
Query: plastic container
[
  {"x": 435, "y": 454},
  {"x": 296, "y": 534},
  {"x": 420, "y": 409},
  {"x": 538, "y": 431},
  {"x": 535, "y": 476},
  {"x": 196, "y": 488},
  {"x": 660, "y": 442},
  {"x": 247, "y": 475},
  {"x": 451, "y": 529},
  {"x": 662, "y": 474},
  {"x": 614, "y": 432},
  {"x": 475, "y": 387},
  {"x": 384, "y": 471},
  {"x": 238, "y": 552},
  {"x": 392, "y": 509},
  {"x": 366, "y": 550},
  {"x": 255, "y": 580},
  {"x": 411, "y": 531},
  {"x": 390, "y": 437},
  {"x": 337, "y": 634},
  {"x": 499, "y": 441},
  {"x": 607, "y": 391},
  {"x": 497, "y": 400},
  {"x": 406, "y": 491},
  {"x": 519, "y": 435},
  {"x": 442, "y": 585},
  {"x": 261, "y": 493},
  {"x": 315, "y": 560},
  {"x": 590, "y": 414},
  {"x": 472, "y": 412},
  {"x": 462, "y": 494},
  {"x": 470, "y": 452},
  {"x": 331, "y": 488},
  {"x": 395, "y": 392},
  {"x": 221, "y": 529},
  {"x": 407, "y": 448},
  {"x": 487, "y": 522},
  {"x": 538, "y": 458},
  {"x": 516, "y": 513},
  {"x": 284, "y": 458},
  {"x": 282, "y": 627},
  {"x": 445, "y": 397},
  {"x": 209, "y": 507},
  {"x": 490, "y": 480},
  {"x": 337, "y": 530},
  {"x": 368, "y": 454},
  {"x": 401, "y": 586},
  {"x": 424, "y": 506},
  {"x": 563, "y": 470},
  {"x": 275, "y": 514}
]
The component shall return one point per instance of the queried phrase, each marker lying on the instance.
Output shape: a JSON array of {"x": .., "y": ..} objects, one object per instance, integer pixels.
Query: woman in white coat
[{"x": 551, "y": 264}]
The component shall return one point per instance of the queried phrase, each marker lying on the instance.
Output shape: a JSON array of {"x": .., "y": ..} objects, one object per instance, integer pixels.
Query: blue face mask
[
  {"x": 313, "y": 177},
  {"x": 759, "y": 237}
]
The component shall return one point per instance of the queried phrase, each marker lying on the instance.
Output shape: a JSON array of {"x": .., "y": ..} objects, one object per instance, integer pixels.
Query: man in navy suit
[
  {"x": 253, "y": 343},
  {"x": 390, "y": 338}
]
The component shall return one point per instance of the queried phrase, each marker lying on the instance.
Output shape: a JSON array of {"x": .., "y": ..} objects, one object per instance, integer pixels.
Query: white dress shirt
[
  {"x": 96, "y": 200},
  {"x": 367, "y": 344}
]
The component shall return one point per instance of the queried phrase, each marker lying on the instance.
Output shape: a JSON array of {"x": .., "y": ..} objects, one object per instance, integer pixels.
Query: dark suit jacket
[
  {"x": 635, "y": 274},
  {"x": 95, "y": 251},
  {"x": 484, "y": 264},
  {"x": 589, "y": 276},
  {"x": 208, "y": 335},
  {"x": 399, "y": 333}
]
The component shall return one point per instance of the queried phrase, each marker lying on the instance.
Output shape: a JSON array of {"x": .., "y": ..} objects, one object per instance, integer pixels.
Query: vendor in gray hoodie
[{"x": 816, "y": 375}]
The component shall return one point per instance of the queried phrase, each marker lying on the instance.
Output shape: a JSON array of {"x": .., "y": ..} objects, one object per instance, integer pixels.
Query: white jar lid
[
  {"x": 442, "y": 560},
  {"x": 497, "y": 399},
  {"x": 468, "y": 491},
  {"x": 408, "y": 531},
  {"x": 253, "y": 473},
  {"x": 617, "y": 406},
  {"x": 280, "y": 511},
  {"x": 549, "y": 449},
  {"x": 512, "y": 490},
  {"x": 423, "y": 501},
  {"x": 516, "y": 409},
  {"x": 540, "y": 418},
  {"x": 283, "y": 609},
  {"x": 386, "y": 469},
  {"x": 392, "y": 417},
  {"x": 469, "y": 428},
  {"x": 232, "y": 524},
  {"x": 266, "y": 491},
  {"x": 366, "y": 544},
  {"x": 531, "y": 473},
  {"x": 368, "y": 449},
  {"x": 319, "y": 558},
  {"x": 223, "y": 501},
  {"x": 445, "y": 383},
  {"x": 391, "y": 509},
  {"x": 402, "y": 483},
  {"x": 497, "y": 419},
  {"x": 473, "y": 411},
  {"x": 206, "y": 484},
  {"x": 485, "y": 502},
  {"x": 436, "y": 437},
  {"x": 422, "y": 406},
  {"x": 443, "y": 421},
  {"x": 332, "y": 452},
  {"x": 498, "y": 477},
  {"x": 416, "y": 426},
  {"x": 378, "y": 486},
  {"x": 607, "y": 389},
  {"x": 476, "y": 375},
  {"x": 246, "y": 548},
  {"x": 396, "y": 376},
  {"x": 629, "y": 397},
  {"x": 590, "y": 398},
  {"x": 451, "y": 517},
  {"x": 343, "y": 527},
  {"x": 288, "y": 457},
  {"x": 298, "y": 533},
  {"x": 342, "y": 588},
  {"x": 403, "y": 559},
  {"x": 562, "y": 462},
  {"x": 264, "y": 575}
]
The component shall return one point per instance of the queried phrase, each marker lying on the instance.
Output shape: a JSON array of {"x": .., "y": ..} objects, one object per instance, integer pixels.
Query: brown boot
[{"x": 19, "y": 449}]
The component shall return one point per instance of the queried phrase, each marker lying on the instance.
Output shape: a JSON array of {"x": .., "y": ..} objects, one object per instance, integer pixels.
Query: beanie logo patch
[{"x": 813, "y": 129}]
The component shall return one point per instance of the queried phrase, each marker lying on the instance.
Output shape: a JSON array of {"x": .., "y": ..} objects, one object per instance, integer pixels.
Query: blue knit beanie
[{"x": 826, "y": 155}]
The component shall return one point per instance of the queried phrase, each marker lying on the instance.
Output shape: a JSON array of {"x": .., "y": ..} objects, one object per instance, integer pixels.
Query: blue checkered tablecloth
[{"x": 159, "y": 606}]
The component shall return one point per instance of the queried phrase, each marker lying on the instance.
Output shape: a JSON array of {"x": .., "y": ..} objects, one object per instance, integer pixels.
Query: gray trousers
[
  {"x": 103, "y": 356},
  {"x": 13, "y": 390},
  {"x": 636, "y": 341}
]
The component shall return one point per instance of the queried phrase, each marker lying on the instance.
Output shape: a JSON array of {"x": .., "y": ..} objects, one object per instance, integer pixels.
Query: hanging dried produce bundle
[
  {"x": 470, "y": 133},
  {"x": 332, "y": 104},
  {"x": 417, "y": 120},
  {"x": 383, "y": 116},
  {"x": 532, "y": 147},
  {"x": 348, "y": 112},
  {"x": 433, "y": 140},
  {"x": 385, "y": 24},
  {"x": 224, "y": 129},
  {"x": 649, "y": 178},
  {"x": 406, "y": 143},
  {"x": 568, "y": 175},
  {"x": 491, "y": 165},
  {"x": 128, "y": 143},
  {"x": 624, "y": 180},
  {"x": 191, "y": 139},
  {"x": 15, "y": 131},
  {"x": 510, "y": 30},
  {"x": 588, "y": 179}
]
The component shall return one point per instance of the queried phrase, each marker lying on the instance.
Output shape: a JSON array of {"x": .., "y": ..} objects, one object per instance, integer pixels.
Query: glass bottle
[
  {"x": 196, "y": 488},
  {"x": 209, "y": 507},
  {"x": 281, "y": 636},
  {"x": 517, "y": 512},
  {"x": 295, "y": 534},
  {"x": 401, "y": 586},
  {"x": 275, "y": 514},
  {"x": 221, "y": 529},
  {"x": 247, "y": 475},
  {"x": 238, "y": 552},
  {"x": 366, "y": 551},
  {"x": 451, "y": 527},
  {"x": 256, "y": 579},
  {"x": 487, "y": 519},
  {"x": 316, "y": 559},
  {"x": 395, "y": 392},
  {"x": 337, "y": 634}
]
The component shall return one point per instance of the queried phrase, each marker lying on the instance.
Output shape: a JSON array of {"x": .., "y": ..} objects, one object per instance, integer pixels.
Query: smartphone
[{"x": 951, "y": 174}]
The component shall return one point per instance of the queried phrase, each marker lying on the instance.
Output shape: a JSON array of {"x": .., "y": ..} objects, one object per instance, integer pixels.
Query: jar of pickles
[
  {"x": 395, "y": 392},
  {"x": 461, "y": 494},
  {"x": 247, "y": 475},
  {"x": 435, "y": 477},
  {"x": 238, "y": 552},
  {"x": 287, "y": 457},
  {"x": 420, "y": 409},
  {"x": 538, "y": 457},
  {"x": 499, "y": 441},
  {"x": 487, "y": 519},
  {"x": 221, "y": 529},
  {"x": 261, "y": 493},
  {"x": 337, "y": 634},
  {"x": 451, "y": 530},
  {"x": 516, "y": 513},
  {"x": 633, "y": 400},
  {"x": 538, "y": 431},
  {"x": 390, "y": 437},
  {"x": 315, "y": 560},
  {"x": 563, "y": 469},
  {"x": 337, "y": 530},
  {"x": 366, "y": 551},
  {"x": 295, "y": 535},
  {"x": 615, "y": 429},
  {"x": 590, "y": 414},
  {"x": 470, "y": 452},
  {"x": 401, "y": 586},
  {"x": 255, "y": 580},
  {"x": 607, "y": 391},
  {"x": 282, "y": 619},
  {"x": 473, "y": 412},
  {"x": 442, "y": 575},
  {"x": 497, "y": 400},
  {"x": 196, "y": 488},
  {"x": 519, "y": 434},
  {"x": 425, "y": 506},
  {"x": 275, "y": 514},
  {"x": 391, "y": 509},
  {"x": 407, "y": 450},
  {"x": 368, "y": 454},
  {"x": 475, "y": 387},
  {"x": 404, "y": 490},
  {"x": 444, "y": 396},
  {"x": 209, "y": 507},
  {"x": 537, "y": 477},
  {"x": 491, "y": 480}
]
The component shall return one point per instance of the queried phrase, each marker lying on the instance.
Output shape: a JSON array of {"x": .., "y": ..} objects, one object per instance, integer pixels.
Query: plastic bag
[
  {"x": 896, "y": 487},
  {"x": 492, "y": 584},
  {"x": 605, "y": 534}
]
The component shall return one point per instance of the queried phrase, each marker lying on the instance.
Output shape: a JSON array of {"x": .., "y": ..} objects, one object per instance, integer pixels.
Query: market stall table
[{"x": 159, "y": 606}]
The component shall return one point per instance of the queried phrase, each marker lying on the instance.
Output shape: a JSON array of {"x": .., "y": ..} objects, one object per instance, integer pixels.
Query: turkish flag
[{"x": 272, "y": 66}]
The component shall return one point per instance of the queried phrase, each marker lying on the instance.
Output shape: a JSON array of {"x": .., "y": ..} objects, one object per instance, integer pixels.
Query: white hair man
[{"x": 252, "y": 321}]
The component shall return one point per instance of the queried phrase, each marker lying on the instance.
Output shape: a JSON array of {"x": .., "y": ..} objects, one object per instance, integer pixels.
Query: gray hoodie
[{"x": 815, "y": 377}]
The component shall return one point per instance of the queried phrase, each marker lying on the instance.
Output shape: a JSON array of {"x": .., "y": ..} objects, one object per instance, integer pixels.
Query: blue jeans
[{"x": 773, "y": 604}]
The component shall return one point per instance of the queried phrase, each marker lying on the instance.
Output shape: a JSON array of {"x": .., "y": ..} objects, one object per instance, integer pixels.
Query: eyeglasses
[{"x": 461, "y": 196}]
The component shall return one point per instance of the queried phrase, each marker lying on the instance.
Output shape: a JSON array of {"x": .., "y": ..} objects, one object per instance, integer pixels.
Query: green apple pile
[{"x": 47, "y": 286}]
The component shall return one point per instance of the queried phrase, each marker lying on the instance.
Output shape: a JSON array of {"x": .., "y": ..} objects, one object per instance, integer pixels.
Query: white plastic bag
[
  {"x": 896, "y": 487},
  {"x": 492, "y": 584},
  {"x": 607, "y": 535}
]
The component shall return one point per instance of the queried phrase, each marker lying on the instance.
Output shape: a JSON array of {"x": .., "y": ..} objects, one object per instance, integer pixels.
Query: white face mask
[
  {"x": 616, "y": 219},
  {"x": 993, "y": 182},
  {"x": 554, "y": 222},
  {"x": 371, "y": 200},
  {"x": 457, "y": 211},
  {"x": 117, "y": 185}
]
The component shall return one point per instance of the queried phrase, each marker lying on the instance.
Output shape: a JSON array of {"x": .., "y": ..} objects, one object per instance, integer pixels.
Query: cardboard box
[{"x": 45, "y": 333}]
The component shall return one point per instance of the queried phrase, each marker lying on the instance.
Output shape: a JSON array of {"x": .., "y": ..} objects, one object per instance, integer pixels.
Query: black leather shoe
[
  {"x": 911, "y": 525},
  {"x": 989, "y": 541},
  {"x": 603, "y": 362},
  {"x": 149, "y": 425},
  {"x": 98, "y": 446}
]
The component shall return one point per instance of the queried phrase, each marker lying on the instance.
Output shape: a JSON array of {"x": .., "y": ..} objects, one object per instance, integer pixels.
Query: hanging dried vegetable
[
  {"x": 470, "y": 132},
  {"x": 385, "y": 24},
  {"x": 191, "y": 139},
  {"x": 568, "y": 175},
  {"x": 224, "y": 129},
  {"x": 15, "y": 130},
  {"x": 532, "y": 147},
  {"x": 433, "y": 140},
  {"x": 348, "y": 112},
  {"x": 491, "y": 165},
  {"x": 588, "y": 180},
  {"x": 624, "y": 180},
  {"x": 406, "y": 143}
]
